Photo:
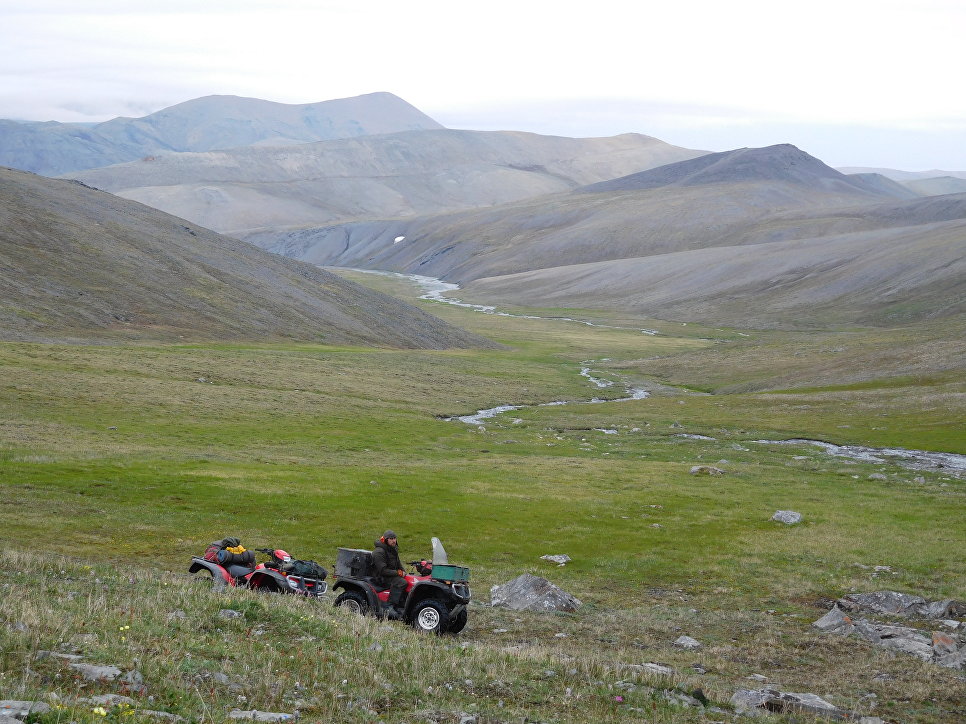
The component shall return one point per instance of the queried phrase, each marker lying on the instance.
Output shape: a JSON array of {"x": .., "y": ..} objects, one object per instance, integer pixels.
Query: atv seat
[
  {"x": 236, "y": 571},
  {"x": 376, "y": 583}
]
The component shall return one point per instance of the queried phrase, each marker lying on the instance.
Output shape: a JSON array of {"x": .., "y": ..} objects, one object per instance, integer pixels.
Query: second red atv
[{"x": 278, "y": 574}]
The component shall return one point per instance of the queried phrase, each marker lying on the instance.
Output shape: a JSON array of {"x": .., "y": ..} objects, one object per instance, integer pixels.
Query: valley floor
[{"x": 140, "y": 455}]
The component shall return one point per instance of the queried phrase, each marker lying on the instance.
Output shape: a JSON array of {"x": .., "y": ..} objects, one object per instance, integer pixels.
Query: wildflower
[
  {"x": 100, "y": 711},
  {"x": 619, "y": 699}
]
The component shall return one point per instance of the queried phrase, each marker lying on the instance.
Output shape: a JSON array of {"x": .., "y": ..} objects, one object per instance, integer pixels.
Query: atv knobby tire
[
  {"x": 353, "y": 601},
  {"x": 431, "y": 616}
]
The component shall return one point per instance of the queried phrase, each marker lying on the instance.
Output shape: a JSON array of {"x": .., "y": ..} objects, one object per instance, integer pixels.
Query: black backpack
[{"x": 305, "y": 569}]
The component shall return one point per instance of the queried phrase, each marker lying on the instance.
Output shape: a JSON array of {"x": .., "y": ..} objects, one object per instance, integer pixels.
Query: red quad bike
[
  {"x": 436, "y": 597},
  {"x": 276, "y": 575}
]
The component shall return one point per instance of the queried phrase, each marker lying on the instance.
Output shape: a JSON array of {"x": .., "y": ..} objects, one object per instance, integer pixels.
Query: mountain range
[
  {"x": 202, "y": 124},
  {"x": 748, "y": 237}
]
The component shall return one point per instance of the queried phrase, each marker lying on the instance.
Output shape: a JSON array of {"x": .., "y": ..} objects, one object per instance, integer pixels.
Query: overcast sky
[{"x": 854, "y": 82}]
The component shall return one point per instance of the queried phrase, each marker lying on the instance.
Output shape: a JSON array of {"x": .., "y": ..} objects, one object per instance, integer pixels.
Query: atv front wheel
[
  {"x": 459, "y": 623},
  {"x": 354, "y": 602},
  {"x": 431, "y": 616}
]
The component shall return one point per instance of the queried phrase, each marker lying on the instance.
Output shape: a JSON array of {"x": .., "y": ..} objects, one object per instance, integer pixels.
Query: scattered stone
[
  {"x": 467, "y": 718},
  {"x": 375, "y": 646},
  {"x": 22, "y": 709},
  {"x": 943, "y": 643},
  {"x": 698, "y": 669},
  {"x": 56, "y": 654},
  {"x": 220, "y": 678},
  {"x": 877, "y": 476},
  {"x": 835, "y": 622},
  {"x": 758, "y": 677},
  {"x": 255, "y": 715},
  {"x": 746, "y": 701},
  {"x": 908, "y": 645},
  {"x": 85, "y": 639},
  {"x": 176, "y": 615},
  {"x": 19, "y": 627},
  {"x": 951, "y": 623},
  {"x": 679, "y": 699},
  {"x": 108, "y": 700},
  {"x": 560, "y": 635},
  {"x": 93, "y": 672},
  {"x": 561, "y": 559},
  {"x": 687, "y": 643},
  {"x": 706, "y": 470},
  {"x": 161, "y": 715},
  {"x": 789, "y": 517},
  {"x": 955, "y": 660},
  {"x": 658, "y": 669},
  {"x": 4, "y": 719},
  {"x": 229, "y": 613},
  {"x": 532, "y": 593}
]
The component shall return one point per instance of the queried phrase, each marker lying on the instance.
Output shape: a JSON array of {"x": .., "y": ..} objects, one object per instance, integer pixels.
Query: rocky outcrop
[
  {"x": 938, "y": 648},
  {"x": 901, "y": 604}
]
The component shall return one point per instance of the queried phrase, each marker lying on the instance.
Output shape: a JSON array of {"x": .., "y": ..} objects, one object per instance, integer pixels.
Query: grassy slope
[{"x": 313, "y": 447}]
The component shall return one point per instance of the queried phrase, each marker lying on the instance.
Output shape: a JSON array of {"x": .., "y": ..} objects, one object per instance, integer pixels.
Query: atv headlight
[
  {"x": 292, "y": 582},
  {"x": 461, "y": 590}
]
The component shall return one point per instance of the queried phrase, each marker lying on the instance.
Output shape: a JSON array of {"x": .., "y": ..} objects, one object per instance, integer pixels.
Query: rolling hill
[
  {"x": 736, "y": 205},
  {"x": 247, "y": 190},
  {"x": 77, "y": 264},
  {"x": 202, "y": 124}
]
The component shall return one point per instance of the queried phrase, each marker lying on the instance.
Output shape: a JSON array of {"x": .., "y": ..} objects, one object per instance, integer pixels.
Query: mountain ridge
[
  {"x": 81, "y": 265},
  {"x": 201, "y": 124}
]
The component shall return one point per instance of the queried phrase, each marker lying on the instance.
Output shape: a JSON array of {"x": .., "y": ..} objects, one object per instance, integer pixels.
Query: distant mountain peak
[{"x": 781, "y": 162}]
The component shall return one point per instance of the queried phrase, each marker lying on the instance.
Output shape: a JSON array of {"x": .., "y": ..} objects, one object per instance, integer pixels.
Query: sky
[{"x": 873, "y": 83}]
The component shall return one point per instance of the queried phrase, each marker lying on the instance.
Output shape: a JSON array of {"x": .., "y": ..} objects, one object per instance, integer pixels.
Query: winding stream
[{"x": 434, "y": 289}]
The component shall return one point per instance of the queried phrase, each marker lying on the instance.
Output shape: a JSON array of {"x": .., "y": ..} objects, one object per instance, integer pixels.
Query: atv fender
[
  {"x": 217, "y": 572},
  {"x": 360, "y": 587},
  {"x": 268, "y": 579},
  {"x": 429, "y": 589}
]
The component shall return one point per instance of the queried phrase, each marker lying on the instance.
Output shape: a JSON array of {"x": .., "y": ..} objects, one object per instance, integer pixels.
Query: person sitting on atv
[
  {"x": 388, "y": 569},
  {"x": 229, "y": 552}
]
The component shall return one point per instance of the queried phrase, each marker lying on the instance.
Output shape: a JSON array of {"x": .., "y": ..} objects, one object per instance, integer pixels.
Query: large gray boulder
[
  {"x": 532, "y": 593},
  {"x": 758, "y": 701}
]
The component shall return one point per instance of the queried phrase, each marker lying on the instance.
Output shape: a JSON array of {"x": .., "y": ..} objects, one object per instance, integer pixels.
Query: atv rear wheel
[
  {"x": 353, "y": 601},
  {"x": 431, "y": 616},
  {"x": 459, "y": 622}
]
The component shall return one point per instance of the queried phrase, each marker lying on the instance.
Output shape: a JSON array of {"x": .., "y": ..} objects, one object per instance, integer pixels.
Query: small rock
[
  {"x": 108, "y": 700},
  {"x": 560, "y": 635},
  {"x": 658, "y": 668},
  {"x": 877, "y": 476},
  {"x": 176, "y": 615},
  {"x": 758, "y": 677},
  {"x": 687, "y": 643},
  {"x": 789, "y": 517},
  {"x": 375, "y": 646},
  {"x": 161, "y": 715},
  {"x": 951, "y": 623},
  {"x": 229, "y": 613},
  {"x": 835, "y": 622},
  {"x": 256, "y": 715},
  {"x": 955, "y": 660},
  {"x": 22, "y": 709},
  {"x": 679, "y": 699},
  {"x": 92, "y": 672},
  {"x": 19, "y": 627},
  {"x": 698, "y": 669},
  {"x": 943, "y": 644},
  {"x": 220, "y": 678},
  {"x": 706, "y": 470},
  {"x": 56, "y": 654},
  {"x": 560, "y": 559}
]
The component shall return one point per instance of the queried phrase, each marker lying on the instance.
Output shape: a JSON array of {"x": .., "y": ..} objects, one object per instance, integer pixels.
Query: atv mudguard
[
  {"x": 217, "y": 572},
  {"x": 268, "y": 578},
  {"x": 431, "y": 589},
  {"x": 366, "y": 589}
]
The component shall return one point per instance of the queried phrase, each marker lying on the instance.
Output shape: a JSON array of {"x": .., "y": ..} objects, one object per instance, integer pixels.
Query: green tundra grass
[{"x": 142, "y": 455}]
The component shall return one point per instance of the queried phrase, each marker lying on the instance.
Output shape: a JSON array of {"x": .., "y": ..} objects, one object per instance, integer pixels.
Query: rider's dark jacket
[{"x": 385, "y": 560}]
